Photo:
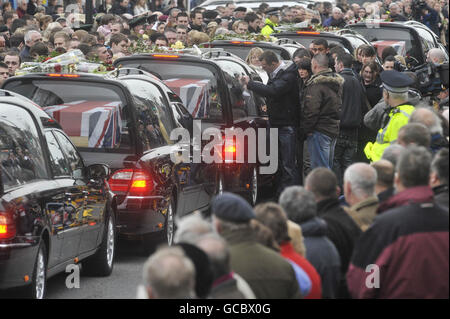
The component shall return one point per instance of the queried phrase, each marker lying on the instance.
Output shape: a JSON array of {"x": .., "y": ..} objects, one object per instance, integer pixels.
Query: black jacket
[
  {"x": 323, "y": 255},
  {"x": 353, "y": 101},
  {"x": 281, "y": 95},
  {"x": 374, "y": 92},
  {"x": 342, "y": 231}
]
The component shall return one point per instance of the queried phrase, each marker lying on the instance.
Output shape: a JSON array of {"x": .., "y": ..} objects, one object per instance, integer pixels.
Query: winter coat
[
  {"x": 269, "y": 275},
  {"x": 353, "y": 101},
  {"x": 281, "y": 94},
  {"x": 408, "y": 250},
  {"x": 322, "y": 103},
  {"x": 364, "y": 212},
  {"x": 323, "y": 255},
  {"x": 441, "y": 196},
  {"x": 287, "y": 251},
  {"x": 341, "y": 229},
  {"x": 269, "y": 28},
  {"x": 225, "y": 288},
  {"x": 398, "y": 117},
  {"x": 419, "y": 194}
]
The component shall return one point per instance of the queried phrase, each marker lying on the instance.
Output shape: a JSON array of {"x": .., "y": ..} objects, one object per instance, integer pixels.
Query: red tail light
[
  {"x": 7, "y": 226},
  {"x": 308, "y": 32},
  {"x": 229, "y": 149},
  {"x": 170, "y": 56},
  {"x": 63, "y": 75},
  {"x": 133, "y": 182}
]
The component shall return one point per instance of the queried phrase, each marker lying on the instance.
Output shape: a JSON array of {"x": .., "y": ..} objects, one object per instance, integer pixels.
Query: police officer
[
  {"x": 395, "y": 94},
  {"x": 272, "y": 20}
]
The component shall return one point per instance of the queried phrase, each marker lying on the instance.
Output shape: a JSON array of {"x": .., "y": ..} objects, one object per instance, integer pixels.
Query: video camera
[{"x": 431, "y": 77}]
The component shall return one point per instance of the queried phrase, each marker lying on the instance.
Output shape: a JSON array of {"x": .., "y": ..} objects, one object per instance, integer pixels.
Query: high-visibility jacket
[
  {"x": 398, "y": 117},
  {"x": 269, "y": 28}
]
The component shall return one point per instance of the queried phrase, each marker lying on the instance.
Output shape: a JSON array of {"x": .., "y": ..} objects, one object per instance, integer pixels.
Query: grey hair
[
  {"x": 362, "y": 179},
  {"x": 191, "y": 227},
  {"x": 321, "y": 60},
  {"x": 392, "y": 153},
  {"x": 298, "y": 203},
  {"x": 28, "y": 35},
  {"x": 399, "y": 96},
  {"x": 170, "y": 274},
  {"x": 218, "y": 252},
  {"x": 430, "y": 120},
  {"x": 413, "y": 167}
]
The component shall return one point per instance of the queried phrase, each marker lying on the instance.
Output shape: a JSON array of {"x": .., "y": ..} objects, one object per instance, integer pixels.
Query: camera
[{"x": 431, "y": 77}]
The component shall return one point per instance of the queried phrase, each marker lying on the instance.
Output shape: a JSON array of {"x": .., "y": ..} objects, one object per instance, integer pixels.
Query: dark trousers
[
  {"x": 287, "y": 150},
  {"x": 344, "y": 152}
]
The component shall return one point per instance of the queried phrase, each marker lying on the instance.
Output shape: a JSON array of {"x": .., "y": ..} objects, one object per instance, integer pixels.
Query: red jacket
[
  {"x": 288, "y": 251},
  {"x": 419, "y": 194}
]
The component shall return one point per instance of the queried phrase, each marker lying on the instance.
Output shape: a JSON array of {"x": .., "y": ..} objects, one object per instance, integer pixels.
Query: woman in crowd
[
  {"x": 370, "y": 81},
  {"x": 140, "y": 7},
  {"x": 253, "y": 60}
]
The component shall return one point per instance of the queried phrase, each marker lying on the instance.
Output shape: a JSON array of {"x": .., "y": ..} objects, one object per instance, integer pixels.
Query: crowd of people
[
  {"x": 371, "y": 155},
  {"x": 308, "y": 245}
]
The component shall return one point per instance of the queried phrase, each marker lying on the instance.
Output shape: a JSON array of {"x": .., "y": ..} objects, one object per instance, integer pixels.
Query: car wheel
[
  {"x": 152, "y": 240},
  {"x": 220, "y": 185},
  {"x": 170, "y": 224},
  {"x": 254, "y": 187},
  {"x": 102, "y": 263},
  {"x": 38, "y": 286}
]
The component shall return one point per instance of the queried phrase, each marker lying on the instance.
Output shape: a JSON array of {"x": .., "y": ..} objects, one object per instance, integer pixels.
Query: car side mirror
[{"x": 98, "y": 172}]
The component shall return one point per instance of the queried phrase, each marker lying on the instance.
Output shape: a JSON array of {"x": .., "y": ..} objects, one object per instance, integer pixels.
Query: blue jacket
[{"x": 323, "y": 255}]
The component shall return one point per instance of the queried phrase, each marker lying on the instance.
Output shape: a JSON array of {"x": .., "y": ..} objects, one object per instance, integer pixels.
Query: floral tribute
[{"x": 70, "y": 62}]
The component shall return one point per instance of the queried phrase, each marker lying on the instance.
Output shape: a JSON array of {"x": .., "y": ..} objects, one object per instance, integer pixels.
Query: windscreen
[
  {"x": 194, "y": 83},
  {"x": 91, "y": 113}
]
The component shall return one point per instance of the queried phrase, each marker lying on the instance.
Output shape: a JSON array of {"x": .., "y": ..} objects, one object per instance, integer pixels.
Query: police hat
[
  {"x": 273, "y": 12},
  {"x": 233, "y": 208},
  {"x": 396, "y": 82},
  {"x": 137, "y": 21}
]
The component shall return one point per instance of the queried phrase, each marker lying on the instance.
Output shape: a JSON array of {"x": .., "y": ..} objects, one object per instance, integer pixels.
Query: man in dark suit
[{"x": 283, "y": 106}]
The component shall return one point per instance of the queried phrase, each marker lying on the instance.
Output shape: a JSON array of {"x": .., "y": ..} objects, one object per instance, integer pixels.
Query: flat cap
[
  {"x": 395, "y": 81},
  {"x": 233, "y": 208}
]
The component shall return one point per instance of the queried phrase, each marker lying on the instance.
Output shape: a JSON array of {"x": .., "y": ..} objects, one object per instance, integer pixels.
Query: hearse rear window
[
  {"x": 92, "y": 114},
  {"x": 194, "y": 83}
]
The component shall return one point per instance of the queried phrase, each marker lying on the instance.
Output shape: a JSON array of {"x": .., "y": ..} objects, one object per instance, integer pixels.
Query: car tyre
[
  {"x": 102, "y": 263},
  {"x": 38, "y": 287},
  {"x": 153, "y": 240},
  {"x": 252, "y": 194}
]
